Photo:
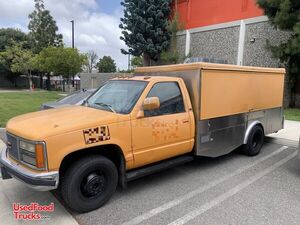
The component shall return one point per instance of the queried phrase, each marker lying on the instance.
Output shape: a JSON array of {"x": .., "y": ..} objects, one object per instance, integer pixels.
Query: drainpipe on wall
[
  {"x": 187, "y": 42},
  {"x": 241, "y": 43}
]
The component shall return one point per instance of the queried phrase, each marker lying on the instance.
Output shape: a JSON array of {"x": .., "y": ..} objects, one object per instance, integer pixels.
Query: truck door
[{"x": 164, "y": 132}]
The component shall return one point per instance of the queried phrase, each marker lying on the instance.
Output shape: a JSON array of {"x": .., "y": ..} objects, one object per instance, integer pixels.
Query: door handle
[{"x": 185, "y": 121}]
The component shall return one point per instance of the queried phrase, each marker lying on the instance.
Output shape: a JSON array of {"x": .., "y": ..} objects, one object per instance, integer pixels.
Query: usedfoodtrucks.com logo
[{"x": 31, "y": 212}]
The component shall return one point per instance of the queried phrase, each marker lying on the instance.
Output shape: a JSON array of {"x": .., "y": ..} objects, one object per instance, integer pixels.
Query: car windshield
[{"x": 117, "y": 96}]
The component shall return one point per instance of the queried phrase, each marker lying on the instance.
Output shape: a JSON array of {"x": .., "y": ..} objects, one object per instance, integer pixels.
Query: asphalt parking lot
[{"x": 233, "y": 189}]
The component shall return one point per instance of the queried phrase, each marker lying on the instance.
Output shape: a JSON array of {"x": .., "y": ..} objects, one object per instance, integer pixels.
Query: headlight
[
  {"x": 27, "y": 146},
  {"x": 33, "y": 153}
]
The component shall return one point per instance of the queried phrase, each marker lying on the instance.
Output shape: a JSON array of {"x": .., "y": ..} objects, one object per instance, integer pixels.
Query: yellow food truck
[{"x": 133, "y": 126}]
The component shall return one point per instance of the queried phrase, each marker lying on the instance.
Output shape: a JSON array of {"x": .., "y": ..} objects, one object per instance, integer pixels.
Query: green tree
[
  {"x": 21, "y": 60},
  {"x": 144, "y": 28},
  {"x": 60, "y": 61},
  {"x": 137, "y": 61},
  {"x": 285, "y": 15},
  {"x": 106, "y": 65},
  {"x": 43, "y": 29},
  {"x": 10, "y": 35},
  {"x": 172, "y": 55}
]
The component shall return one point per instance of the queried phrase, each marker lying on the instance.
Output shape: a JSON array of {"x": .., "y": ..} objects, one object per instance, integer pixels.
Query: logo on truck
[{"x": 97, "y": 134}]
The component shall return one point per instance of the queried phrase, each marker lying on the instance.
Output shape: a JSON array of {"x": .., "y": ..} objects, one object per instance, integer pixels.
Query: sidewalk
[
  {"x": 13, "y": 191},
  {"x": 12, "y": 90},
  {"x": 290, "y": 132}
]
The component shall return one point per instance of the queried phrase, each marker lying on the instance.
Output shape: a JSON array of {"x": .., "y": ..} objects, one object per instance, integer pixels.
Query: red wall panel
[{"x": 199, "y": 13}]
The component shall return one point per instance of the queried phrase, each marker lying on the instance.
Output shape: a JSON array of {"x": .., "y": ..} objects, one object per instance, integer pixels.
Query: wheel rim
[{"x": 93, "y": 184}]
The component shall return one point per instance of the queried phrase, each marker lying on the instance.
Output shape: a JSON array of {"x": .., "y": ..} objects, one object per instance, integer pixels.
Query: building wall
[
  {"x": 199, "y": 13},
  {"x": 223, "y": 42},
  {"x": 223, "y": 29},
  {"x": 181, "y": 39},
  {"x": 96, "y": 80},
  {"x": 216, "y": 44},
  {"x": 256, "y": 53}
]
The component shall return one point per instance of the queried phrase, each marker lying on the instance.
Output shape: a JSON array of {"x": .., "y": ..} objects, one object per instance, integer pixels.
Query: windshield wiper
[{"x": 105, "y": 105}]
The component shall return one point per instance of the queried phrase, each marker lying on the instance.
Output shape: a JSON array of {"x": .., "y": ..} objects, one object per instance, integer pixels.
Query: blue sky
[
  {"x": 109, "y": 6},
  {"x": 96, "y": 23}
]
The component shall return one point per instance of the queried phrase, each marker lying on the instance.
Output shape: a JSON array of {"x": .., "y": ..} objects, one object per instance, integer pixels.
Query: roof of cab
[
  {"x": 211, "y": 66},
  {"x": 147, "y": 78}
]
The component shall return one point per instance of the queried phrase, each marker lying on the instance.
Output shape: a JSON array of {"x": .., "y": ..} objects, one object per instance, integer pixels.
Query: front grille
[{"x": 12, "y": 146}]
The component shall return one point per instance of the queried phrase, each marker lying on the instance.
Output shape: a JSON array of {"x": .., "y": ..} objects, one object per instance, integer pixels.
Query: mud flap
[{"x": 4, "y": 174}]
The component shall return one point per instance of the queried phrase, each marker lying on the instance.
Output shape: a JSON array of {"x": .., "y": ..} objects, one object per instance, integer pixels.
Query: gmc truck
[{"x": 133, "y": 126}]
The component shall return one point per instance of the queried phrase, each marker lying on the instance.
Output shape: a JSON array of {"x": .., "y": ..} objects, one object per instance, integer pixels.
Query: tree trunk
[
  {"x": 48, "y": 82},
  {"x": 30, "y": 80},
  {"x": 64, "y": 89},
  {"x": 41, "y": 81},
  {"x": 146, "y": 59}
]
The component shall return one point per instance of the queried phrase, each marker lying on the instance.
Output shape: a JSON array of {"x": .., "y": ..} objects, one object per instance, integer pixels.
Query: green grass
[
  {"x": 292, "y": 114},
  {"x": 17, "y": 103}
]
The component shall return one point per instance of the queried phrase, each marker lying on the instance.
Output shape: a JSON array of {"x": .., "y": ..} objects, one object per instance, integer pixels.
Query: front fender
[{"x": 59, "y": 146}]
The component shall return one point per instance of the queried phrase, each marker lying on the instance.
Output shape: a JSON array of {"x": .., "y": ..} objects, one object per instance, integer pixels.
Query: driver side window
[{"x": 170, "y": 97}]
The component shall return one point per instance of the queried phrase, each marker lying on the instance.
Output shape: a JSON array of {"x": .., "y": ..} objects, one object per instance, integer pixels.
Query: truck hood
[{"x": 39, "y": 125}]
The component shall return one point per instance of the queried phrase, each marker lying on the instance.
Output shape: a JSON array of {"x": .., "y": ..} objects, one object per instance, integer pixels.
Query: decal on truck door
[
  {"x": 94, "y": 135},
  {"x": 165, "y": 130}
]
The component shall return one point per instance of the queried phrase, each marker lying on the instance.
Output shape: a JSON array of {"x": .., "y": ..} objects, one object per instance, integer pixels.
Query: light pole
[
  {"x": 73, "y": 44},
  {"x": 129, "y": 64}
]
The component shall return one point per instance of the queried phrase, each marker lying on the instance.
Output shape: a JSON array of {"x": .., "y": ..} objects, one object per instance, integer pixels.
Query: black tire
[
  {"x": 255, "y": 141},
  {"x": 89, "y": 183}
]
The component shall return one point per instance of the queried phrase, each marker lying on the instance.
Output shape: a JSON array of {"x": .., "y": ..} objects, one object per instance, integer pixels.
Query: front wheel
[
  {"x": 89, "y": 183},
  {"x": 255, "y": 141}
]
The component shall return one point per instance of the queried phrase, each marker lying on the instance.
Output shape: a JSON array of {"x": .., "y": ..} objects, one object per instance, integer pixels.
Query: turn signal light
[{"x": 40, "y": 160}]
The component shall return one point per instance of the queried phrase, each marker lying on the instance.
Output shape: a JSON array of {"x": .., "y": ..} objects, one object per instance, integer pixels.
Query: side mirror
[{"x": 151, "y": 103}]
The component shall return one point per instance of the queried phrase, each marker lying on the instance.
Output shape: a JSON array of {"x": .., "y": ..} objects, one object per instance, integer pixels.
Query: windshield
[{"x": 117, "y": 96}]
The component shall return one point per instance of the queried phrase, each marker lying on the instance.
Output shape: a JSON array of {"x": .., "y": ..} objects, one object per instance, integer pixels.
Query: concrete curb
[{"x": 2, "y": 134}]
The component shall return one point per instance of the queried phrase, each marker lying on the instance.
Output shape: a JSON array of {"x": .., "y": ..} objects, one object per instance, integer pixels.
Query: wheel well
[
  {"x": 112, "y": 152},
  {"x": 262, "y": 127},
  {"x": 249, "y": 129}
]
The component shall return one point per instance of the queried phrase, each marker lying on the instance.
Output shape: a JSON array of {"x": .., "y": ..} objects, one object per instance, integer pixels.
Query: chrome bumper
[{"x": 44, "y": 181}]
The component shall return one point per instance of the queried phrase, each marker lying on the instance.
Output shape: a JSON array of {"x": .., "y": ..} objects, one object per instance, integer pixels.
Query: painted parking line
[
  {"x": 221, "y": 198},
  {"x": 198, "y": 191}
]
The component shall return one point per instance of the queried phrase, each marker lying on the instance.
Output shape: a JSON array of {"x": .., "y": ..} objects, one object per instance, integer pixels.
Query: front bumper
[{"x": 44, "y": 181}]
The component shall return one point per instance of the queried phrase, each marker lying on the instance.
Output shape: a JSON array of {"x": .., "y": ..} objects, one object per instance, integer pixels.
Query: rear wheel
[
  {"x": 255, "y": 141},
  {"x": 89, "y": 183}
]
